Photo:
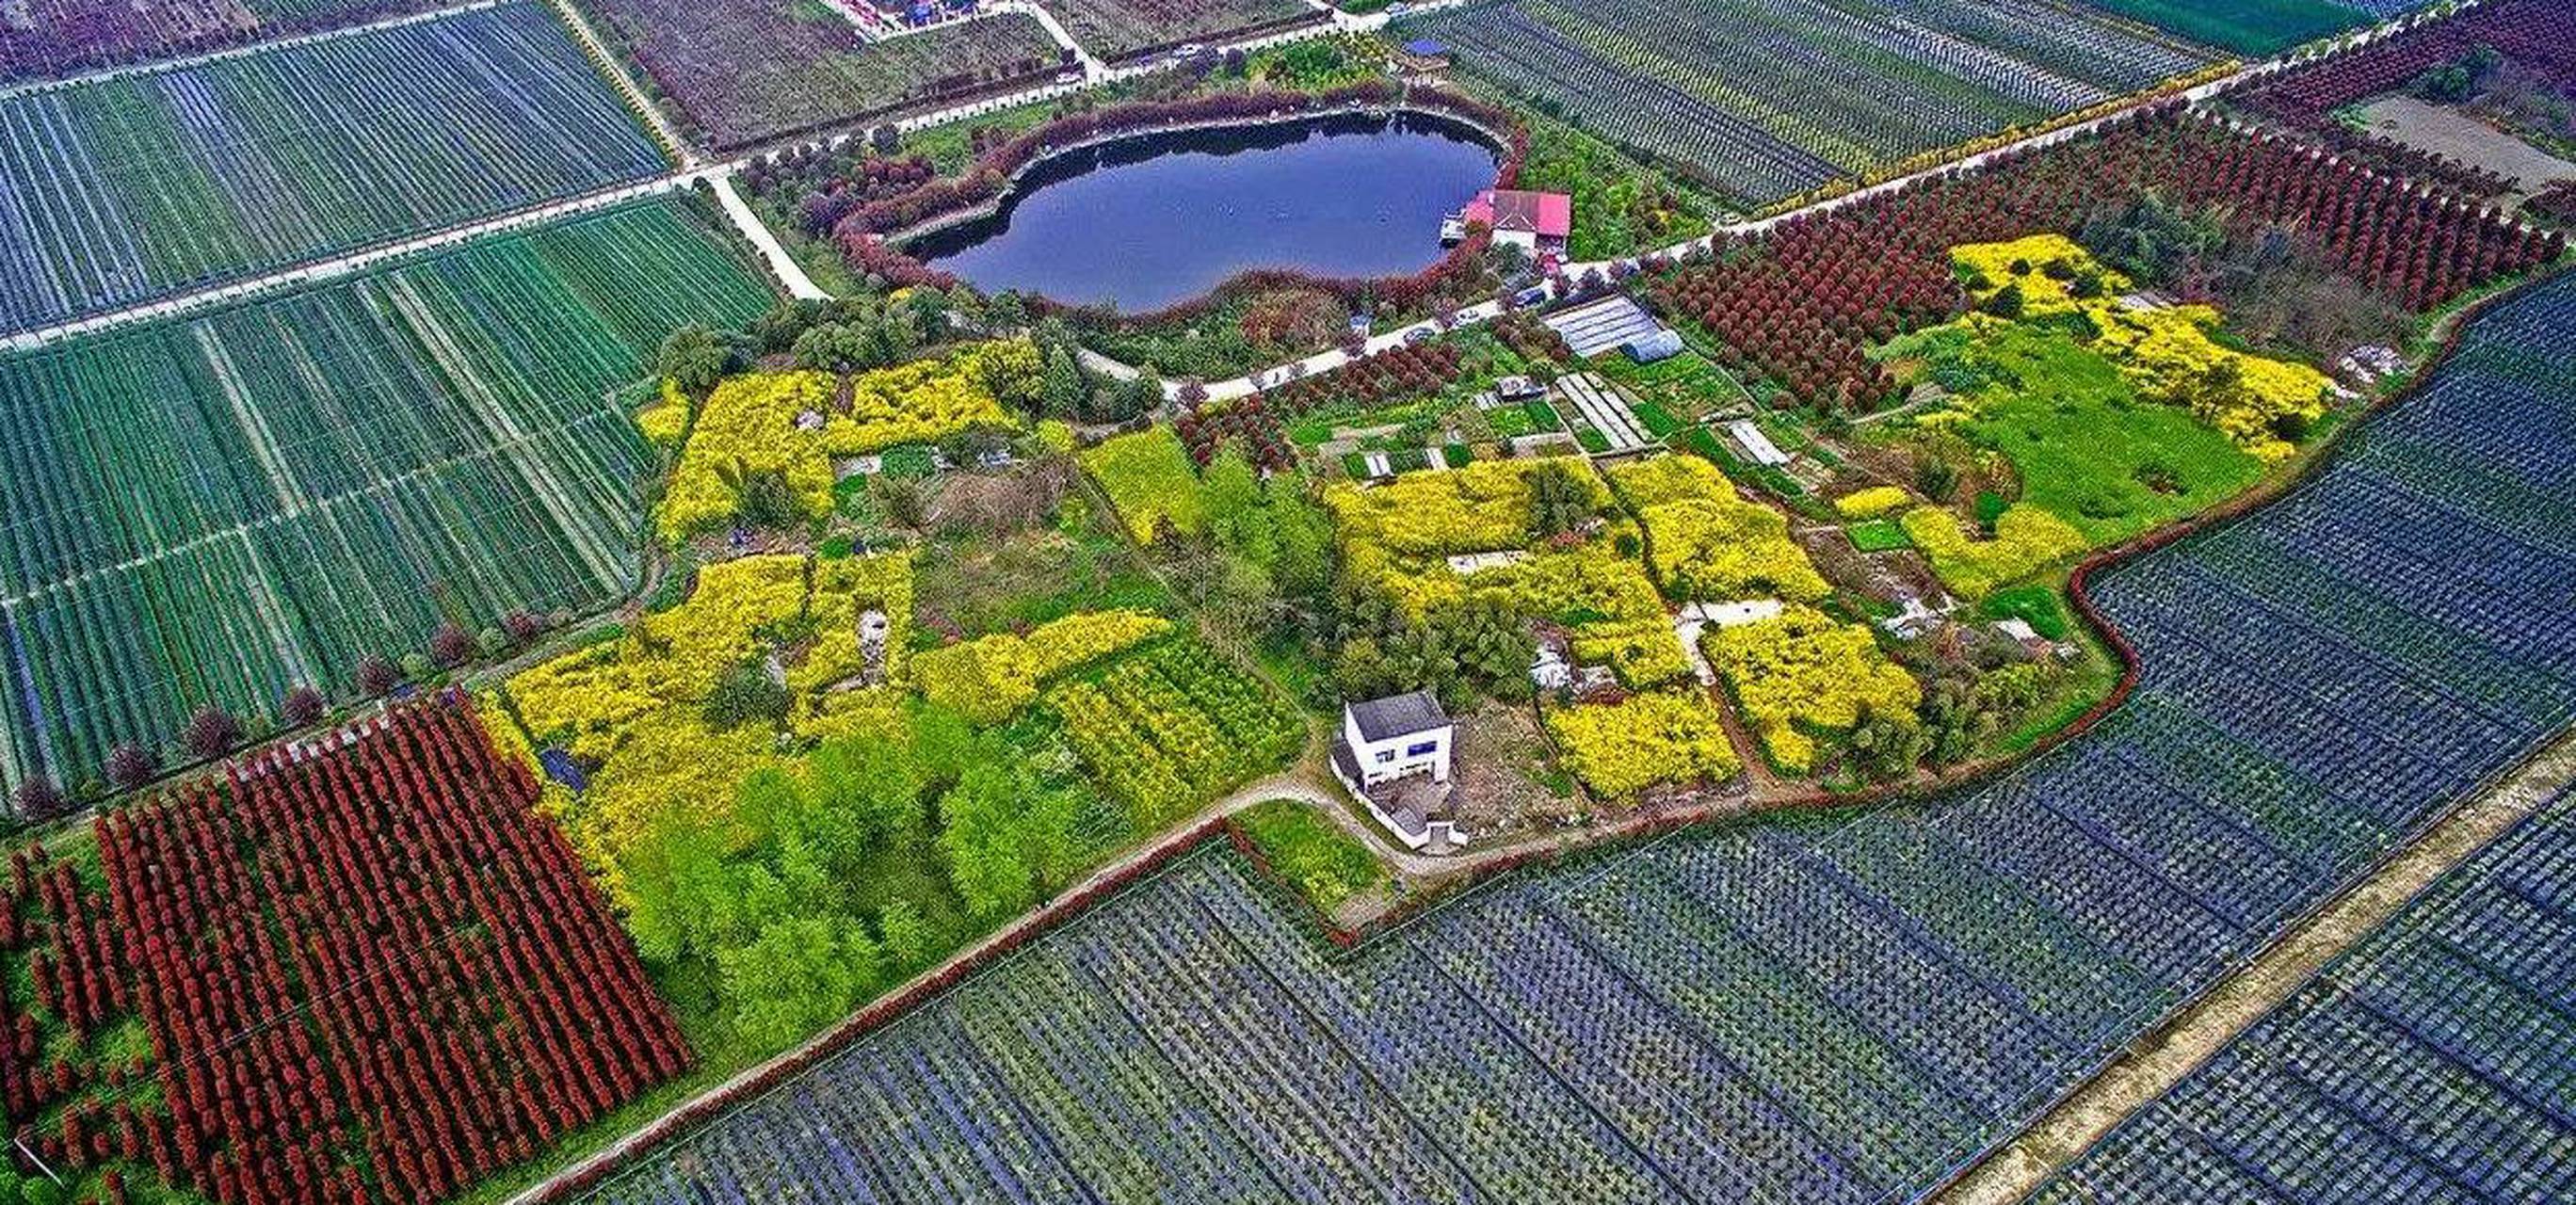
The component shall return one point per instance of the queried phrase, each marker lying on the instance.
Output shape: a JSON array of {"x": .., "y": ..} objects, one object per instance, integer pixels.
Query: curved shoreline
[{"x": 1012, "y": 185}]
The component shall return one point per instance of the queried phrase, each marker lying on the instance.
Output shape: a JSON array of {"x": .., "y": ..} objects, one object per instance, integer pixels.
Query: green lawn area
[
  {"x": 1878, "y": 535},
  {"x": 2091, "y": 451},
  {"x": 2034, "y": 604},
  {"x": 1324, "y": 863},
  {"x": 2252, "y": 27},
  {"x": 979, "y": 586}
]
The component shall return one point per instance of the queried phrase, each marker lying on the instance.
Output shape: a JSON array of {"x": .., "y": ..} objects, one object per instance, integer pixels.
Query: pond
[{"x": 1161, "y": 218}]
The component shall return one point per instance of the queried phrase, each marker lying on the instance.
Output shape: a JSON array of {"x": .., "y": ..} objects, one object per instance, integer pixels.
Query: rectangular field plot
[
  {"x": 368, "y": 970},
  {"x": 46, "y": 38},
  {"x": 2436, "y": 1051},
  {"x": 2258, "y": 27},
  {"x": 128, "y": 188},
  {"x": 747, "y": 71},
  {"x": 216, "y": 508},
  {"x": 1116, "y": 29},
  {"x": 1767, "y": 99}
]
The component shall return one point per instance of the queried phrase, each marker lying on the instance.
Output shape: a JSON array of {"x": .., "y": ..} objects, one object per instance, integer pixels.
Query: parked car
[
  {"x": 1533, "y": 295},
  {"x": 1398, "y": 9},
  {"x": 1190, "y": 51},
  {"x": 1420, "y": 334}
]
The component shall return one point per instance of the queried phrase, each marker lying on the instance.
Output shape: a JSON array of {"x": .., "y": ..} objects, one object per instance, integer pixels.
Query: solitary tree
[
  {"x": 1558, "y": 501},
  {"x": 451, "y": 645},
  {"x": 38, "y": 800},
  {"x": 376, "y": 677},
  {"x": 693, "y": 358},
  {"x": 130, "y": 766},
  {"x": 302, "y": 707},
  {"x": 211, "y": 732}
]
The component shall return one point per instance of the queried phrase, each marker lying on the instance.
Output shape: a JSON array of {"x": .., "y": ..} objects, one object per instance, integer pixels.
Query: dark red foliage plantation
[
  {"x": 367, "y": 970},
  {"x": 1800, "y": 302},
  {"x": 2536, "y": 35}
]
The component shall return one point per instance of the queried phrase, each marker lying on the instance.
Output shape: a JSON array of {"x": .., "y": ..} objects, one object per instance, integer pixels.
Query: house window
[
  {"x": 1384, "y": 758},
  {"x": 1424, "y": 749}
]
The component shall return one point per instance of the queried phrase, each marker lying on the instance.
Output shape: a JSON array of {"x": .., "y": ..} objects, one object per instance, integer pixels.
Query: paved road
[{"x": 781, "y": 264}]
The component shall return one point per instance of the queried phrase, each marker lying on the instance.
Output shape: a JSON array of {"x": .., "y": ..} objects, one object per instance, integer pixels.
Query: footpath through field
[{"x": 2159, "y": 1060}]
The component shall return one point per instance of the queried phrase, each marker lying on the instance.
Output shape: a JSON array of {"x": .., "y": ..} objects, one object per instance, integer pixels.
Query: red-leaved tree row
[
  {"x": 1252, "y": 423},
  {"x": 2537, "y": 35},
  {"x": 1246, "y": 424},
  {"x": 1802, "y": 301},
  {"x": 369, "y": 971}
]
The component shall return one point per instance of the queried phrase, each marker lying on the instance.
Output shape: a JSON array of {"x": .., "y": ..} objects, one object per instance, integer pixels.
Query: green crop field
[
  {"x": 221, "y": 506},
  {"x": 2259, "y": 27},
  {"x": 2089, "y": 450}
]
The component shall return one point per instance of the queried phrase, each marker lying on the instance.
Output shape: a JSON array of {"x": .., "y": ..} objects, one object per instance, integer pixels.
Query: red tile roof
[{"x": 1545, "y": 214}]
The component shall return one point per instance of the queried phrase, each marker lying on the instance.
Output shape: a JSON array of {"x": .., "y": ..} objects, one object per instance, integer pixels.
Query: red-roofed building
[{"x": 1537, "y": 222}]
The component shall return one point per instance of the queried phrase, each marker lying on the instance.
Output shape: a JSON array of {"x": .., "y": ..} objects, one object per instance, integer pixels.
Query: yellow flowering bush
[
  {"x": 1056, "y": 435},
  {"x": 1620, "y": 749},
  {"x": 842, "y": 592},
  {"x": 990, "y": 678},
  {"x": 751, "y": 422},
  {"x": 2026, "y": 538},
  {"x": 508, "y": 741},
  {"x": 1704, "y": 542},
  {"x": 667, "y": 419},
  {"x": 1802, "y": 671},
  {"x": 1665, "y": 479},
  {"x": 796, "y": 423},
  {"x": 2169, "y": 354},
  {"x": 922, "y": 402},
  {"x": 1643, "y": 653},
  {"x": 1484, "y": 507},
  {"x": 670, "y": 762},
  {"x": 1149, "y": 479},
  {"x": 838, "y": 714},
  {"x": 2040, "y": 291},
  {"x": 631, "y": 706},
  {"x": 1716, "y": 550},
  {"x": 1875, "y": 502},
  {"x": 1590, "y": 583}
]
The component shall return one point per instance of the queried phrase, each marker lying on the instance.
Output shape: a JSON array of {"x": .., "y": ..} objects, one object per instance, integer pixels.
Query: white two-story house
[{"x": 1393, "y": 754}]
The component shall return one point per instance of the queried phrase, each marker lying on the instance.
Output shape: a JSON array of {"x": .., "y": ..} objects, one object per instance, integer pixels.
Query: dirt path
[{"x": 2158, "y": 1061}]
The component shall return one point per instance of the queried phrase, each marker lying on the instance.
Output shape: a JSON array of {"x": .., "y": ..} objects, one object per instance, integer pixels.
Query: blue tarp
[
  {"x": 1425, "y": 48},
  {"x": 560, "y": 767}
]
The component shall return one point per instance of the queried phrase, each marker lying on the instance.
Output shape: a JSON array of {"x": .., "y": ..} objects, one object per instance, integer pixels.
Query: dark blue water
[{"x": 1158, "y": 219}]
